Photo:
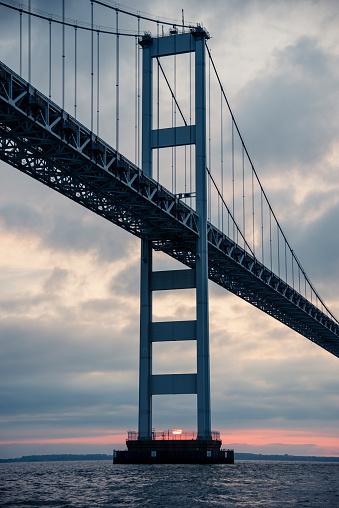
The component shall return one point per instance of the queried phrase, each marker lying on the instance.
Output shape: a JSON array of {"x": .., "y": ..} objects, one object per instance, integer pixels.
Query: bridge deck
[{"x": 40, "y": 139}]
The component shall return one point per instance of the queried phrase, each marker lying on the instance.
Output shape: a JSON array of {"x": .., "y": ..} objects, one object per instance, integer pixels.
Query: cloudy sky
[{"x": 69, "y": 280}]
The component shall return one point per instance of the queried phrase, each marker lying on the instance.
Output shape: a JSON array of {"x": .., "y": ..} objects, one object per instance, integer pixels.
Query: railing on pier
[{"x": 172, "y": 434}]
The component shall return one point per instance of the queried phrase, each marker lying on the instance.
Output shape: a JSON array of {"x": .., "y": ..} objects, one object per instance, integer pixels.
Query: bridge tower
[
  {"x": 144, "y": 447},
  {"x": 199, "y": 383}
]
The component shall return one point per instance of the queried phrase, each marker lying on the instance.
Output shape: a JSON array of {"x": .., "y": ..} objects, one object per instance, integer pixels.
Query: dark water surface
[{"x": 100, "y": 484}]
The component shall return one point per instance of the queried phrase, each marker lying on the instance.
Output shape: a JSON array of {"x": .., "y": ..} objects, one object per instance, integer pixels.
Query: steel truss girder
[{"x": 52, "y": 147}]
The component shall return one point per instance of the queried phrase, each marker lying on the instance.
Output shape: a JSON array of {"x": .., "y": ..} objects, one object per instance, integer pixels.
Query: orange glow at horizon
[
  {"x": 296, "y": 437},
  {"x": 244, "y": 437}
]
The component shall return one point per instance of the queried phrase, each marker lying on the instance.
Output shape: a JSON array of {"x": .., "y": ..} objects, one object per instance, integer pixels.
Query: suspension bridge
[{"x": 191, "y": 192}]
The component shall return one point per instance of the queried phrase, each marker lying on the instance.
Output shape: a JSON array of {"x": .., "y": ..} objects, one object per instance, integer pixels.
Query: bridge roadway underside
[{"x": 41, "y": 140}]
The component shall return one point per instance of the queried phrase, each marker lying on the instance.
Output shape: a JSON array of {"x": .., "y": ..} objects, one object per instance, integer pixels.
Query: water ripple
[{"x": 100, "y": 484}]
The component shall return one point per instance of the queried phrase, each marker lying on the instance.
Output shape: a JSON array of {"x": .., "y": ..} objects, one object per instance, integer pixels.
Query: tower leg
[
  {"x": 203, "y": 362},
  {"x": 145, "y": 367}
]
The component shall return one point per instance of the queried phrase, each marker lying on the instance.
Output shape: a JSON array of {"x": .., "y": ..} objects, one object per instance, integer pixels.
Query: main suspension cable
[
  {"x": 117, "y": 8},
  {"x": 172, "y": 92},
  {"x": 312, "y": 288},
  {"x": 68, "y": 22}
]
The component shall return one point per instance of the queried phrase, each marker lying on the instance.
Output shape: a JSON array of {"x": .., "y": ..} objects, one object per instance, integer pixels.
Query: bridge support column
[
  {"x": 197, "y": 278},
  {"x": 145, "y": 366},
  {"x": 203, "y": 360},
  {"x": 145, "y": 360}
]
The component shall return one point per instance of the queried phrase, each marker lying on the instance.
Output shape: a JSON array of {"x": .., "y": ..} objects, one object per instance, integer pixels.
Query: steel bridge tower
[{"x": 197, "y": 278}]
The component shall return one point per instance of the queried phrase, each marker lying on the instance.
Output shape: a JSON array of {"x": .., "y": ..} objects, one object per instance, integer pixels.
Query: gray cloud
[
  {"x": 56, "y": 280},
  {"x": 62, "y": 225},
  {"x": 289, "y": 113},
  {"x": 317, "y": 243},
  {"x": 127, "y": 281},
  {"x": 62, "y": 372}
]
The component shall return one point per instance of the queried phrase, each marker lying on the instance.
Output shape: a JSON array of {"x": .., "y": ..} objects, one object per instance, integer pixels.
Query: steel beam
[
  {"x": 173, "y": 279},
  {"x": 174, "y": 384},
  {"x": 173, "y": 330}
]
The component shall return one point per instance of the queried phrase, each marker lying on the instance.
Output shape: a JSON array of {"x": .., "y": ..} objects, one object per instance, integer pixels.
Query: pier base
[{"x": 180, "y": 451}]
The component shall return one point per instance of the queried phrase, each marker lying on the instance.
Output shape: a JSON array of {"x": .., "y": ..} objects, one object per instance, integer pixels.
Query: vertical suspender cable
[
  {"x": 185, "y": 149},
  {"x": 278, "y": 246},
  {"x": 221, "y": 165},
  {"x": 299, "y": 277},
  {"x": 185, "y": 155},
  {"x": 175, "y": 114},
  {"x": 209, "y": 139},
  {"x": 253, "y": 244},
  {"x": 243, "y": 196},
  {"x": 270, "y": 239},
  {"x": 233, "y": 179},
  {"x": 75, "y": 69},
  {"x": 285, "y": 264},
  {"x": 50, "y": 61},
  {"x": 29, "y": 43},
  {"x": 228, "y": 222},
  {"x": 98, "y": 80},
  {"x": 92, "y": 63},
  {"x": 190, "y": 57},
  {"x": 63, "y": 54},
  {"x": 209, "y": 188},
  {"x": 117, "y": 81},
  {"x": 172, "y": 150},
  {"x": 185, "y": 164},
  {"x": 136, "y": 105},
  {"x": 158, "y": 109},
  {"x": 138, "y": 94},
  {"x": 262, "y": 228},
  {"x": 20, "y": 62}
]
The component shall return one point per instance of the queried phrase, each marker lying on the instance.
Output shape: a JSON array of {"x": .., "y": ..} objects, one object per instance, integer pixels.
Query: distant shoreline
[{"x": 103, "y": 456}]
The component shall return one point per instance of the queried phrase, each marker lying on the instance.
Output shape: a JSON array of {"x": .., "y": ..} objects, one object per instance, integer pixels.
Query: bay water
[{"x": 101, "y": 484}]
